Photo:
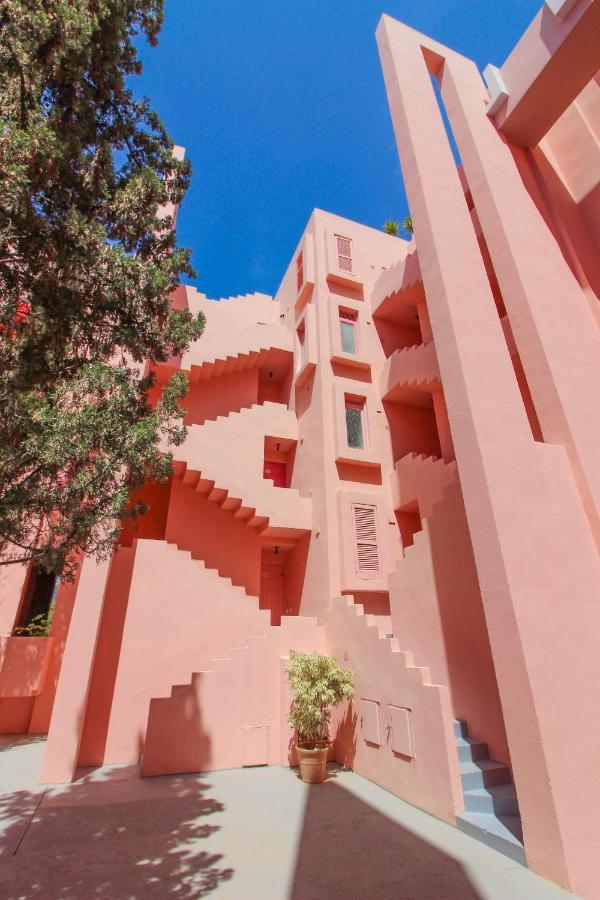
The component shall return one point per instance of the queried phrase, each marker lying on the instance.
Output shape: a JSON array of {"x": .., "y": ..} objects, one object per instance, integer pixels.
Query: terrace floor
[{"x": 235, "y": 834}]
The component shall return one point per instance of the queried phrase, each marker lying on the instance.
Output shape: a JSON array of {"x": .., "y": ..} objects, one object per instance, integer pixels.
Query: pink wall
[
  {"x": 223, "y": 542},
  {"x": 218, "y": 397}
]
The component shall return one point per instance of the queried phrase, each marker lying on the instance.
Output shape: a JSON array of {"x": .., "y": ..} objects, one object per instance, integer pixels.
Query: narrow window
[
  {"x": 301, "y": 332},
  {"x": 40, "y": 597},
  {"x": 348, "y": 328},
  {"x": 365, "y": 534},
  {"x": 344, "y": 253},
  {"x": 300, "y": 270},
  {"x": 355, "y": 424}
]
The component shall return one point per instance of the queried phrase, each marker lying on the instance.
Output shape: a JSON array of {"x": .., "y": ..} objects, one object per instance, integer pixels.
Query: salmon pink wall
[
  {"x": 207, "y": 399},
  {"x": 197, "y": 524}
]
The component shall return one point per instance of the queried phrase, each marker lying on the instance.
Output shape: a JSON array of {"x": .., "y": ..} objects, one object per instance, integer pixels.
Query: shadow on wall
[
  {"x": 111, "y": 835},
  {"x": 350, "y": 849}
]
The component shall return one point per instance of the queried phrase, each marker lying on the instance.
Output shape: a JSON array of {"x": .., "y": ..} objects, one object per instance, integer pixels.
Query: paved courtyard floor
[{"x": 251, "y": 833}]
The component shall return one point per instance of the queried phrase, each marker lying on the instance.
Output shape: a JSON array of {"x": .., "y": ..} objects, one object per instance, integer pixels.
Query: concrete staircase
[
  {"x": 410, "y": 374},
  {"x": 491, "y": 811},
  {"x": 402, "y": 278},
  {"x": 240, "y": 333},
  {"x": 421, "y": 478},
  {"x": 223, "y": 458}
]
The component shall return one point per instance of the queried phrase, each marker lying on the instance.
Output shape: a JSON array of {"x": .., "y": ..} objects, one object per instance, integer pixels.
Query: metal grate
[{"x": 344, "y": 253}]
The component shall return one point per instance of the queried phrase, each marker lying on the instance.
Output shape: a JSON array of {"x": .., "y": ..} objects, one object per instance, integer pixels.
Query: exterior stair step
[
  {"x": 470, "y": 750},
  {"x": 483, "y": 773},
  {"x": 502, "y": 833},
  {"x": 500, "y": 800},
  {"x": 460, "y": 728}
]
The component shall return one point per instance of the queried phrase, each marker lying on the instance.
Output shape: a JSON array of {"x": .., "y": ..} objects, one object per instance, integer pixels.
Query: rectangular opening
[
  {"x": 355, "y": 422},
  {"x": 349, "y": 330},
  {"x": 366, "y": 546},
  {"x": 300, "y": 271},
  {"x": 344, "y": 253}
]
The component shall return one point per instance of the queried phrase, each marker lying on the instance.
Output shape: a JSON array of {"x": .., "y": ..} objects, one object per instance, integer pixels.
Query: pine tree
[{"x": 88, "y": 261}]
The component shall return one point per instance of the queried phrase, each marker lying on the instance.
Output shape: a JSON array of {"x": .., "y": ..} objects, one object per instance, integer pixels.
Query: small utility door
[
  {"x": 276, "y": 472},
  {"x": 271, "y": 590}
]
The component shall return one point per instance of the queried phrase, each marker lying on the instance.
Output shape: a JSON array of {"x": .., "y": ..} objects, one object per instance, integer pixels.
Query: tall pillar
[
  {"x": 68, "y": 712},
  {"x": 550, "y": 317},
  {"x": 536, "y": 560}
]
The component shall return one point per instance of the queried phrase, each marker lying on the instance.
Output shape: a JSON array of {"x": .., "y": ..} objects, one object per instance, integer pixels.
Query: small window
[
  {"x": 365, "y": 536},
  {"x": 348, "y": 331},
  {"x": 300, "y": 271},
  {"x": 355, "y": 422},
  {"x": 344, "y": 253},
  {"x": 301, "y": 332}
]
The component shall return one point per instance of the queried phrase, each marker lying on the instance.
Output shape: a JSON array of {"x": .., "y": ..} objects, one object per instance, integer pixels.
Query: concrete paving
[{"x": 251, "y": 833}]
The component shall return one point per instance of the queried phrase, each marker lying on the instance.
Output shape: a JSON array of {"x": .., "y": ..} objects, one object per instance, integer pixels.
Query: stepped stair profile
[
  {"x": 223, "y": 458},
  {"x": 421, "y": 478},
  {"x": 411, "y": 374},
  {"x": 402, "y": 281},
  {"x": 241, "y": 333},
  {"x": 491, "y": 812}
]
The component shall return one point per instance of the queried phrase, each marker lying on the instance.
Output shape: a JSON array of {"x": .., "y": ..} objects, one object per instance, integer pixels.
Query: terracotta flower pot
[{"x": 313, "y": 761}]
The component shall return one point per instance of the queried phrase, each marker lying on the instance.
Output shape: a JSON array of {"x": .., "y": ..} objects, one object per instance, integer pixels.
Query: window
[
  {"x": 365, "y": 535},
  {"x": 301, "y": 332},
  {"x": 300, "y": 270},
  {"x": 355, "y": 424},
  {"x": 348, "y": 331},
  {"x": 40, "y": 596},
  {"x": 344, "y": 253}
]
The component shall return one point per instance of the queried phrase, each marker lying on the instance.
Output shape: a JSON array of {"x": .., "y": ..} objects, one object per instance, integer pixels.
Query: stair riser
[
  {"x": 460, "y": 729},
  {"x": 471, "y": 752},
  {"x": 474, "y": 780},
  {"x": 492, "y": 840},
  {"x": 498, "y": 807}
]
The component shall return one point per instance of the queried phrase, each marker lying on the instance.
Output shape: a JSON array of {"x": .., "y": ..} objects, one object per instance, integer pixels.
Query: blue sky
[{"x": 281, "y": 108}]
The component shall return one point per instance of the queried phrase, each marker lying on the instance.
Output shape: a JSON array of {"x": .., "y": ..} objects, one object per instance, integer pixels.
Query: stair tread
[
  {"x": 469, "y": 742},
  {"x": 478, "y": 765},
  {"x": 497, "y": 791}
]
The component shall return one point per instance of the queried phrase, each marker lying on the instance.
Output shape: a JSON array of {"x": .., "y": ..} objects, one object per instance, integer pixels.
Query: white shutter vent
[
  {"x": 365, "y": 532},
  {"x": 344, "y": 253}
]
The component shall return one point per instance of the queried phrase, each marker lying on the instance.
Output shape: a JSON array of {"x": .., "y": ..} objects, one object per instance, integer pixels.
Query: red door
[
  {"x": 276, "y": 472},
  {"x": 271, "y": 590}
]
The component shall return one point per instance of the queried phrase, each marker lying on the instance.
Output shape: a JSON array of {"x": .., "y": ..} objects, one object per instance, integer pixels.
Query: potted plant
[{"x": 318, "y": 683}]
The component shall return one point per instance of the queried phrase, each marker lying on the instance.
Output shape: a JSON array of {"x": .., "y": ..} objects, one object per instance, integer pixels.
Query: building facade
[{"x": 395, "y": 460}]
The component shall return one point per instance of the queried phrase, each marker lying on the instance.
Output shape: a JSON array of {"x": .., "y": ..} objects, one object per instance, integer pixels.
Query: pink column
[
  {"x": 68, "y": 714},
  {"x": 553, "y": 327},
  {"x": 536, "y": 560}
]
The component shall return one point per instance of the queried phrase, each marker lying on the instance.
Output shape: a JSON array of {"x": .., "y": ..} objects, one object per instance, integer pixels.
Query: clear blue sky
[{"x": 281, "y": 108}]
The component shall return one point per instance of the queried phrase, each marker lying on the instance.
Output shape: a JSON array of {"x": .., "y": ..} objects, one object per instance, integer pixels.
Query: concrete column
[
  {"x": 537, "y": 564},
  {"x": 68, "y": 713},
  {"x": 550, "y": 318}
]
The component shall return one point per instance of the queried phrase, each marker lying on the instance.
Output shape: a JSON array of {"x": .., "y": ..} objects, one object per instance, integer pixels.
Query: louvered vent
[
  {"x": 365, "y": 531},
  {"x": 300, "y": 270},
  {"x": 344, "y": 253}
]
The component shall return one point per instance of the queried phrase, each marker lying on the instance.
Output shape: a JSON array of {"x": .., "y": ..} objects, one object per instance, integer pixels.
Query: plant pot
[{"x": 313, "y": 761}]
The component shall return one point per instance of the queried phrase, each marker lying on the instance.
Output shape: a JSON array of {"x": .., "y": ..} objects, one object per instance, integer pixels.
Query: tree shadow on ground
[
  {"x": 350, "y": 849},
  {"x": 113, "y": 835}
]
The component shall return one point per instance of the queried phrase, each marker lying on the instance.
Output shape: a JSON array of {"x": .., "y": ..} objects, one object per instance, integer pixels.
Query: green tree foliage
[
  {"x": 407, "y": 224},
  {"x": 88, "y": 260},
  {"x": 391, "y": 227},
  {"x": 318, "y": 683}
]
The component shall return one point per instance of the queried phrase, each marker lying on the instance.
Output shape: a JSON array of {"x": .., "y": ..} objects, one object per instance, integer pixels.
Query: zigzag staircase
[
  {"x": 491, "y": 811},
  {"x": 241, "y": 333},
  {"x": 411, "y": 374},
  {"x": 401, "y": 284},
  {"x": 223, "y": 459}
]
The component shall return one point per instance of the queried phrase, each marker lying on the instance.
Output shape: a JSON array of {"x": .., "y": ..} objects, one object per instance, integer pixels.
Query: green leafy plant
[
  {"x": 391, "y": 227},
  {"x": 407, "y": 224},
  {"x": 38, "y": 626},
  {"x": 318, "y": 683},
  {"x": 88, "y": 263}
]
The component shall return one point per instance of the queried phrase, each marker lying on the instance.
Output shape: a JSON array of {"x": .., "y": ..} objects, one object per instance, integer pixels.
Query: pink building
[{"x": 395, "y": 460}]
